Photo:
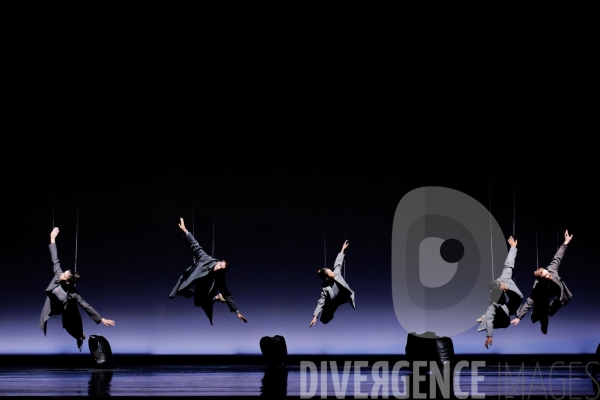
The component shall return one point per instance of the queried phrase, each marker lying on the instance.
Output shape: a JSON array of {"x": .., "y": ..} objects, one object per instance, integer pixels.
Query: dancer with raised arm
[
  {"x": 505, "y": 298},
  {"x": 335, "y": 291},
  {"x": 204, "y": 280},
  {"x": 549, "y": 292},
  {"x": 62, "y": 298}
]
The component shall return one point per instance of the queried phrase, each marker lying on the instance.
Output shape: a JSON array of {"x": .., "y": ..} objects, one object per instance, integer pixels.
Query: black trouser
[
  {"x": 204, "y": 291},
  {"x": 541, "y": 312},
  {"x": 331, "y": 306}
]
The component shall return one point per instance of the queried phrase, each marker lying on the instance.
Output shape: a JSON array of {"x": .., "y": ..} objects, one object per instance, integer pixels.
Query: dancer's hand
[
  {"x": 344, "y": 246},
  {"x": 182, "y": 225},
  {"x": 219, "y": 297},
  {"x": 107, "y": 322},
  {"x": 488, "y": 342},
  {"x": 515, "y": 321},
  {"x": 567, "y": 237},
  {"x": 314, "y": 321},
  {"x": 512, "y": 242},
  {"x": 53, "y": 235},
  {"x": 241, "y": 317}
]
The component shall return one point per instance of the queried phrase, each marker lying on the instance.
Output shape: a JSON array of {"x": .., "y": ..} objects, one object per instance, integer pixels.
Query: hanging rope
[
  {"x": 344, "y": 265},
  {"x": 491, "y": 237},
  {"x": 193, "y": 232},
  {"x": 537, "y": 263},
  {"x": 324, "y": 222},
  {"x": 52, "y": 208},
  {"x": 557, "y": 232},
  {"x": 557, "y": 219},
  {"x": 76, "y": 231},
  {"x": 514, "y": 208},
  {"x": 324, "y": 248},
  {"x": 213, "y": 239}
]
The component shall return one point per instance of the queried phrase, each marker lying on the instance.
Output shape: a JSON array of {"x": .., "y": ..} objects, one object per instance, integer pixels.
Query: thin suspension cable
[
  {"x": 76, "y": 231},
  {"x": 52, "y": 208},
  {"x": 491, "y": 238},
  {"x": 213, "y": 238},
  {"x": 344, "y": 265},
  {"x": 514, "y": 207},
  {"x": 557, "y": 232},
  {"x": 324, "y": 248},
  {"x": 324, "y": 232},
  {"x": 557, "y": 221},
  {"x": 537, "y": 263}
]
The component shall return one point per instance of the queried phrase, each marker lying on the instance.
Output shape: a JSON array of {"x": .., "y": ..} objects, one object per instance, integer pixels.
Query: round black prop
[{"x": 100, "y": 349}]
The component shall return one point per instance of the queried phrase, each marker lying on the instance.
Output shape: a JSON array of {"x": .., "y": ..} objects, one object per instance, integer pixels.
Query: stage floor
[{"x": 548, "y": 377}]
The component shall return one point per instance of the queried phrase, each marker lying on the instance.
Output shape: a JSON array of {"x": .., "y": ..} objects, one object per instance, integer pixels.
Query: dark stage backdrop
[{"x": 277, "y": 208}]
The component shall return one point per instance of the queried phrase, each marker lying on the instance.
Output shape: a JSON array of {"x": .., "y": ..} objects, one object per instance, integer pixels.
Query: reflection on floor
[{"x": 548, "y": 377}]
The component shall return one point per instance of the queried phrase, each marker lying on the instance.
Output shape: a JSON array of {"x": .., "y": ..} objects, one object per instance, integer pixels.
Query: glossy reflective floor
[{"x": 312, "y": 377}]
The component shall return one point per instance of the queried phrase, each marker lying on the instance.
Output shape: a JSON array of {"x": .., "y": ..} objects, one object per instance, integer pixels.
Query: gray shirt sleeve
[{"x": 320, "y": 303}]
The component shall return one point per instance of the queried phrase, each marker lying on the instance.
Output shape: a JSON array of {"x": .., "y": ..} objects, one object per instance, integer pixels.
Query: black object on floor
[
  {"x": 101, "y": 351},
  {"x": 274, "y": 350},
  {"x": 429, "y": 347}
]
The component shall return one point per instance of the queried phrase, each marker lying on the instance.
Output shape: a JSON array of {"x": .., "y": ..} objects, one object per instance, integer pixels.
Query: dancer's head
[
  {"x": 325, "y": 274},
  {"x": 69, "y": 276},
  {"x": 542, "y": 273},
  {"x": 221, "y": 265}
]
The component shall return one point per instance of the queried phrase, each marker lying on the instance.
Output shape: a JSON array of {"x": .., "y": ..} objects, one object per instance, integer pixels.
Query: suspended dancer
[
  {"x": 204, "y": 280},
  {"x": 62, "y": 298},
  {"x": 335, "y": 290},
  {"x": 505, "y": 298},
  {"x": 549, "y": 292}
]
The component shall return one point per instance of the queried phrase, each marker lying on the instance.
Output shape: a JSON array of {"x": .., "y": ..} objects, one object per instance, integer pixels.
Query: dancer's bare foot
[
  {"x": 220, "y": 298},
  {"x": 83, "y": 336}
]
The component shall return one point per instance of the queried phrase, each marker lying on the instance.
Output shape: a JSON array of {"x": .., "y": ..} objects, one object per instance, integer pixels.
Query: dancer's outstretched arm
[
  {"x": 320, "y": 305},
  {"x": 556, "y": 261},
  {"x": 197, "y": 250}
]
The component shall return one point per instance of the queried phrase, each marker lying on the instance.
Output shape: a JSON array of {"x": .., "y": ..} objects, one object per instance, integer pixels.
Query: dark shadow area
[
  {"x": 247, "y": 377},
  {"x": 99, "y": 384},
  {"x": 274, "y": 382},
  {"x": 122, "y": 360}
]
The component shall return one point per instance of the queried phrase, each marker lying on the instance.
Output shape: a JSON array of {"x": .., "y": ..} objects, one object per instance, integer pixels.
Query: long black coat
[
  {"x": 70, "y": 313},
  {"x": 201, "y": 282},
  {"x": 541, "y": 293}
]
